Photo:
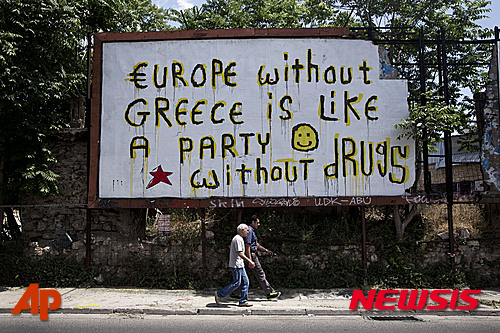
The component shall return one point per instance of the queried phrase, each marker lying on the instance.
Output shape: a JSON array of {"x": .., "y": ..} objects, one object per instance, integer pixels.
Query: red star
[{"x": 159, "y": 176}]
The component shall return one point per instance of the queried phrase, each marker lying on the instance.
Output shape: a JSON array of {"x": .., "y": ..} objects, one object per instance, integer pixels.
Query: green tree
[
  {"x": 43, "y": 66},
  {"x": 435, "y": 116},
  {"x": 457, "y": 18},
  {"x": 227, "y": 14}
]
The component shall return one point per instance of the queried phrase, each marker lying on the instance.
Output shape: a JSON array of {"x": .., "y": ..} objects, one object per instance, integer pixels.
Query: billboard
[{"x": 247, "y": 117}]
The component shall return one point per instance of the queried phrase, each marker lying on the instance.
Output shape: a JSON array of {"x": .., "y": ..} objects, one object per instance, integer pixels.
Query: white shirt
[{"x": 237, "y": 245}]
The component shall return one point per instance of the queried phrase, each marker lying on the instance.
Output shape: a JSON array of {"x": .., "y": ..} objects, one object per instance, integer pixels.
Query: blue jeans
[{"x": 239, "y": 278}]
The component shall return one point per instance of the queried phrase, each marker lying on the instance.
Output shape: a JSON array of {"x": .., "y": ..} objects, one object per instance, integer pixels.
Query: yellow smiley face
[{"x": 304, "y": 137}]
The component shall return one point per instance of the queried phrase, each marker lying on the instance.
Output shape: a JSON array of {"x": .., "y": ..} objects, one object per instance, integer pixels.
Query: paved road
[{"x": 123, "y": 323}]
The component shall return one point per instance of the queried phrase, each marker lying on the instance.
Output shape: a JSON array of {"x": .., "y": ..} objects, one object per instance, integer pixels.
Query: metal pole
[
  {"x": 203, "y": 244},
  {"x": 497, "y": 39},
  {"x": 240, "y": 216},
  {"x": 88, "y": 239},
  {"x": 423, "y": 102},
  {"x": 88, "y": 226},
  {"x": 448, "y": 158},
  {"x": 365, "y": 260},
  {"x": 89, "y": 81}
]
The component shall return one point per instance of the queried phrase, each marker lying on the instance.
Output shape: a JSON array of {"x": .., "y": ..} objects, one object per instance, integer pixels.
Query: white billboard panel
[{"x": 250, "y": 118}]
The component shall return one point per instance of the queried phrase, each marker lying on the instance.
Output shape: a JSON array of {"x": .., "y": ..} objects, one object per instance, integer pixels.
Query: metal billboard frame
[{"x": 95, "y": 202}]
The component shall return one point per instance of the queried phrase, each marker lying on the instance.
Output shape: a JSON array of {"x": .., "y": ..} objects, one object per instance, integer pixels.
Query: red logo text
[
  {"x": 415, "y": 299},
  {"x": 39, "y": 301}
]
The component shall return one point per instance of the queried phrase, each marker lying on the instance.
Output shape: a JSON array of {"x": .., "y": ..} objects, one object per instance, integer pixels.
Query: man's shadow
[{"x": 228, "y": 305}]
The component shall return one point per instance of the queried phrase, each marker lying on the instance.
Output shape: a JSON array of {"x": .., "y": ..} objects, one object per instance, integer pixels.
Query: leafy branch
[{"x": 431, "y": 120}]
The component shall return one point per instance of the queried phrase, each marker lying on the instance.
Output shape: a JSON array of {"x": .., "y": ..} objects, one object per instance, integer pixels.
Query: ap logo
[{"x": 39, "y": 301}]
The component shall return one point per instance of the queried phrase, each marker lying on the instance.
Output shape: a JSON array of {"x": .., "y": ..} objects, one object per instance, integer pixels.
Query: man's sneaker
[
  {"x": 234, "y": 297},
  {"x": 273, "y": 295},
  {"x": 217, "y": 301},
  {"x": 246, "y": 304}
]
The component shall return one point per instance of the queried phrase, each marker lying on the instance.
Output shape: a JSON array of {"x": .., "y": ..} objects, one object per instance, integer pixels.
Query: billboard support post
[
  {"x": 364, "y": 255},
  {"x": 88, "y": 108},
  {"x": 203, "y": 243}
]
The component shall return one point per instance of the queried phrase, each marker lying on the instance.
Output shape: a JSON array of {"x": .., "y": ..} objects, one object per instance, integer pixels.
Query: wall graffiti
[
  {"x": 490, "y": 141},
  {"x": 199, "y": 119},
  {"x": 283, "y": 202}
]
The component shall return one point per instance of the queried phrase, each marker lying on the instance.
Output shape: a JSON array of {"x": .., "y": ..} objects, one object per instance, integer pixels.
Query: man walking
[
  {"x": 237, "y": 260},
  {"x": 252, "y": 246}
]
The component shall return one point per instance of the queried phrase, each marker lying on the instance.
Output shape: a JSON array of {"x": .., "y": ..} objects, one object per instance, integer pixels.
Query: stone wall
[
  {"x": 482, "y": 258},
  {"x": 51, "y": 218}
]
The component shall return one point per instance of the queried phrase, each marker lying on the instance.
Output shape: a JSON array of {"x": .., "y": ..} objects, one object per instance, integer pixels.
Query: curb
[
  {"x": 171, "y": 312},
  {"x": 280, "y": 312},
  {"x": 331, "y": 312},
  {"x": 224, "y": 311},
  {"x": 264, "y": 312}
]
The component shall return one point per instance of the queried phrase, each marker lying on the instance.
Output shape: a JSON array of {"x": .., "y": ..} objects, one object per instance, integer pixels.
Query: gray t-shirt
[{"x": 237, "y": 245}]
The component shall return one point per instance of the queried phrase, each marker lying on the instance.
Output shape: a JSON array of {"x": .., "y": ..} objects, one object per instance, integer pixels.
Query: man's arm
[
  {"x": 251, "y": 264},
  {"x": 248, "y": 252},
  {"x": 260, "y": 247}
]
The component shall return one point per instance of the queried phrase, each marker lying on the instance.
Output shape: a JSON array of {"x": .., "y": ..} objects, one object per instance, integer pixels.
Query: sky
[
  {"x": 183, "y": 4},
  {"x": 494, "y": 15}
]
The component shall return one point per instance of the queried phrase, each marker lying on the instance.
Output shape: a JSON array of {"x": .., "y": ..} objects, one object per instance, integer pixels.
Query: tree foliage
[
  {"x": 227, "y": 14},
  {"x": 435, "y": 117},
  {"x": 43, "y": 65}
]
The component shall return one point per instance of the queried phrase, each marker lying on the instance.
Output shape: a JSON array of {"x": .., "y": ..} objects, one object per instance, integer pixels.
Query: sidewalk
[{"x": 189, "y": 302}]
